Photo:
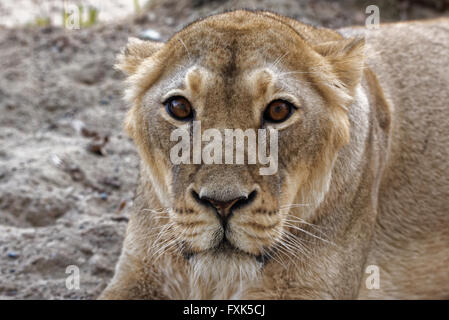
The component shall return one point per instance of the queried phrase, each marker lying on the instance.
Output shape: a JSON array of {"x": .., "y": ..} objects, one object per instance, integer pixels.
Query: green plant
[
  {"x": 42, "y": 21},
  {"x": 137, "y": 8},
  {"x": 92, "y": 16}
]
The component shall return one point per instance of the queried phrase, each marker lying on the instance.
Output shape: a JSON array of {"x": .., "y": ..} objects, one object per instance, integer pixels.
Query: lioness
[{"x": 359, "y": 205}]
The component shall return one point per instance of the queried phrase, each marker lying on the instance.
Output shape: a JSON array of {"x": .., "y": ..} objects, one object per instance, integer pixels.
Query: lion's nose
[{"x": 224, "y": 206}]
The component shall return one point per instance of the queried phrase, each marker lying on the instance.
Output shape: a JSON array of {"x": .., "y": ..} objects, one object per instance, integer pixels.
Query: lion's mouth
[
  {"x": 227, "y": 249},
  {"x": 226, "y": 246}
]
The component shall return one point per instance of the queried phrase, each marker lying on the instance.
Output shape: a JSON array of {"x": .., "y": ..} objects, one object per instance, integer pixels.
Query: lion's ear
[
  {"x": 347, "y": 58},
  {"x": 135, "y": 52}
]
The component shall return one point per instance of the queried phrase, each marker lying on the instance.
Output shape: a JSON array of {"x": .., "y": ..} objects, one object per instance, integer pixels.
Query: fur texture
[{"x": 363, "y": 174}]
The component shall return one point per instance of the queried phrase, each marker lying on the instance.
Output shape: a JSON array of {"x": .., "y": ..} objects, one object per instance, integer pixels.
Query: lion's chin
[
  {"x": 223, "y": 274},
  {"x": 226, "y": 262},
  {"x": 224, "y": 250}
]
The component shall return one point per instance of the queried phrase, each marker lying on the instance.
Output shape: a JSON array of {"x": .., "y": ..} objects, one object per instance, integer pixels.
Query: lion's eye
[
  {"x": 179, "y": 108},
  {"x": 278, "y": 111}
]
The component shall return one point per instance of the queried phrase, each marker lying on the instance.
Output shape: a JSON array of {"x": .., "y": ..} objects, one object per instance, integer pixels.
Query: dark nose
[{"x": 224, "y": 207}]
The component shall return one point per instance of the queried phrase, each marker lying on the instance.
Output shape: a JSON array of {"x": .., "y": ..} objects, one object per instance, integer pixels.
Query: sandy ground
[{"x": 67, "y": 171}]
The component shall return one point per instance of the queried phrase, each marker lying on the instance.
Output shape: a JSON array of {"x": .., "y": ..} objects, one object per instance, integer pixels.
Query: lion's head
[{"x": 249, "y": 71}]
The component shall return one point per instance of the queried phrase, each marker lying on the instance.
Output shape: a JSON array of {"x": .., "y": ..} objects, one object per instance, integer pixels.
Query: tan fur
[{"x": 363, "y": 173}]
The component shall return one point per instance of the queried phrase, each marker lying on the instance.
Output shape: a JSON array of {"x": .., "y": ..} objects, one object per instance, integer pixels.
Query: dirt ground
[{"x": 67, "y": 170}]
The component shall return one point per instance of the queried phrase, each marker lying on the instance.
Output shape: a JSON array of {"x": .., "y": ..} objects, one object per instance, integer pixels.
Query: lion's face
[{"x": 233, "y": 73}]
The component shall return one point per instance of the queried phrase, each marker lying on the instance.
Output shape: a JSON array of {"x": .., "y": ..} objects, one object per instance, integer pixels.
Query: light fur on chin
[{"x": 222, "y": 275}]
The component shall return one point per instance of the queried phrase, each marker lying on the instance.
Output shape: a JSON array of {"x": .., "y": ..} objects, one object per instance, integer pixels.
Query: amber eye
[
  {"x": 179, "y": 108},
  {"x": 278, "y": 111}
]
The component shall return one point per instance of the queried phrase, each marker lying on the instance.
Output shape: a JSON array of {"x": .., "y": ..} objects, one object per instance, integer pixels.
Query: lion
[{"x": 359, "y": 205}]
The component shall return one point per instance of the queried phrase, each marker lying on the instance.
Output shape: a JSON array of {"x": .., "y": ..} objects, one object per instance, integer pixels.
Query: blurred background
[{"x": 67, "y": 170}]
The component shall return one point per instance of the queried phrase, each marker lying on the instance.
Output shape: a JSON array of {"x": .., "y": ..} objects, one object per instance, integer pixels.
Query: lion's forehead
[
  {"x": 234, "y": 54},
  {"x": 230, "y": 48}
]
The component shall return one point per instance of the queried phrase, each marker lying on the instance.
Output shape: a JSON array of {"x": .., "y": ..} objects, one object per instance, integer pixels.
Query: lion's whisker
[
  {"x": 289, "y": 238},
  {"x": 298, "y": 219},
  {"x": 315, "y": 227},
  {"x": 308, "y": 233},
  {"x": 295, "y": 205}
]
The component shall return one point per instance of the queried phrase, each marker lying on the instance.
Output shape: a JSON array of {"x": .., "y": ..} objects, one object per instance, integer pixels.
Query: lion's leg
[
  {"x": 131, "y": 282},
  {"x": 124, "y": 286}
]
